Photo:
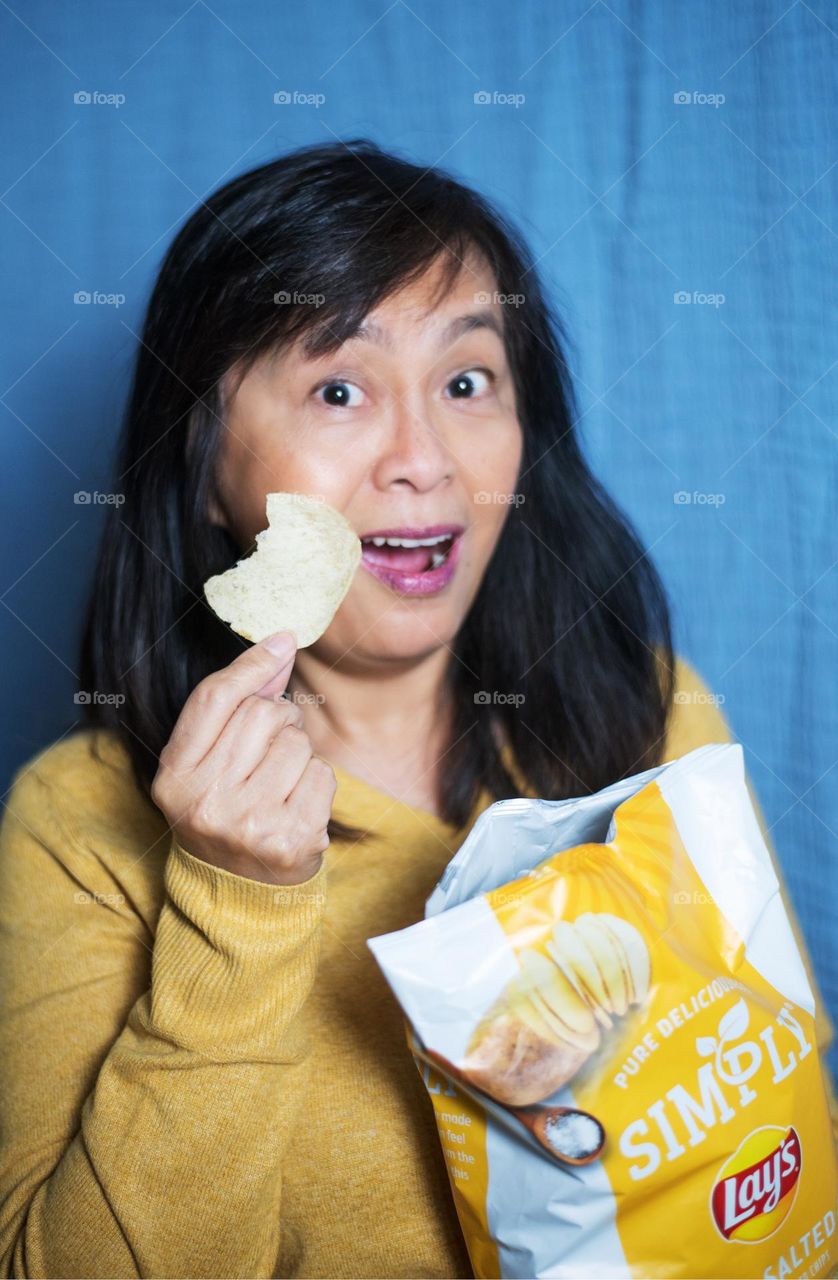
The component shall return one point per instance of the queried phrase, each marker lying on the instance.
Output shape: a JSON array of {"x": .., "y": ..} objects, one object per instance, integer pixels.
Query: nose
[{"x": 413, "y": 451}]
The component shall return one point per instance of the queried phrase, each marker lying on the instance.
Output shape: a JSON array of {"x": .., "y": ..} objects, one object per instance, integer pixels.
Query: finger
[
  {"x": 213, "y": 701},
  {"x": 245, "y": 739},
  {"x": 282, "y": 764},
  {"x": 314, "y": 793},
  {"x": 275, "y": 686}
]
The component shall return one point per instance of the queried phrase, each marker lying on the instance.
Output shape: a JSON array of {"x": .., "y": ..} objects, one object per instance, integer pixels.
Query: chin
[{"x": 413, "y": 630}]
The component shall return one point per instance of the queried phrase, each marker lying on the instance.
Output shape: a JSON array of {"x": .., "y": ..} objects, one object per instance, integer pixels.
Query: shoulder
[
  {"x": 75, "y": 805},
  {"x": 696, "y": 715},
  {"x": 84, "y": 777},
  {"x": 80, "y": 757}
]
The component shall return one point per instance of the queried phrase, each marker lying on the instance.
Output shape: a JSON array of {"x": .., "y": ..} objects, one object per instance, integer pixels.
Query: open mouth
[{"x": 412, "y": 561}]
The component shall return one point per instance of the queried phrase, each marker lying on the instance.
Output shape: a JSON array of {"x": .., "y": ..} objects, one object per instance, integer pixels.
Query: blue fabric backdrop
[{"x": 650, "y": 151}]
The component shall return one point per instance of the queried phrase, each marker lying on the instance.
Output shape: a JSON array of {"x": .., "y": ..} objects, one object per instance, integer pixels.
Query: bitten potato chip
[{"x": 296, "y": 578}]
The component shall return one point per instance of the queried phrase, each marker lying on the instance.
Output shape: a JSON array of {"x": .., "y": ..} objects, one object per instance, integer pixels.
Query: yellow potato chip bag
[{"x": 615, "y": 1027}]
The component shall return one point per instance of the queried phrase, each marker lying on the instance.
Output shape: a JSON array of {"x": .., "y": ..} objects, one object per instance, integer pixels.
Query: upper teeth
[{"x": 408, "y": 542}]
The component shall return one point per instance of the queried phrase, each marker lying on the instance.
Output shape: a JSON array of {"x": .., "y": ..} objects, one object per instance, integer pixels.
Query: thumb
[{"x": 282, "y": 647}]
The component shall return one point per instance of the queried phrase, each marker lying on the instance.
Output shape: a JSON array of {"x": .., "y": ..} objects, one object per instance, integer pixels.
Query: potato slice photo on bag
[
  {"x": 296, "y": 578},
  {"x": 554, "y": 1014},
  {"x": 635, "y": 953},
  {"x": 568, "y": 949},
  {"x": 552, "y": 993},
  {"x": 603, "y": 946},
  {"x": 516, "y": 1000}
]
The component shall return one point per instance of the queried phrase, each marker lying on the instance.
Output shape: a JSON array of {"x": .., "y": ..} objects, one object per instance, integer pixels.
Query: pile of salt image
[{"x": 574, "y": 1134}]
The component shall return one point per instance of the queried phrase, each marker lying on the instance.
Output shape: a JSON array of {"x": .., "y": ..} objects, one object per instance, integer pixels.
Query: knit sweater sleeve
[
  {"x": 698, "y": 719},
  {"x": 144, "y": 1135}
]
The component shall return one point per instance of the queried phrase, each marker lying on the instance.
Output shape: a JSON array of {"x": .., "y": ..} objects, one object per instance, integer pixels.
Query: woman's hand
[{"x": 238, "y": 782}]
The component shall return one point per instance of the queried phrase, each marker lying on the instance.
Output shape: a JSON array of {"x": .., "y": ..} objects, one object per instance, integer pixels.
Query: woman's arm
[
  {"x": 696, "y": 720},
  {"x": 144, "y": 1125}
]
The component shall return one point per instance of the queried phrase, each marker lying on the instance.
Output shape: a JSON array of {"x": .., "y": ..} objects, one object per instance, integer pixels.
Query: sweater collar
[{"x": 359, "y": 802}]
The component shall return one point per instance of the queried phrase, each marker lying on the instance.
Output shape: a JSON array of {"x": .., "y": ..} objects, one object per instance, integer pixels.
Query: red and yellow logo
[{"x": 756, "y": 1187}]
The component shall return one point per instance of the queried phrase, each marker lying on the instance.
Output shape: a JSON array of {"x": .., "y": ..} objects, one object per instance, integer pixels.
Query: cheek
[
  {"x": 329, "y": 463},
  {"x": 494, "y": 489},
  {"x": 270, "y": 466},
  {"x": 495, "y": 465}
]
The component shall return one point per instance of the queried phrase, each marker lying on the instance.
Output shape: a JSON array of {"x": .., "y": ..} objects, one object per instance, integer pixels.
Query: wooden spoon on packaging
[{"x": 569, "y": 1135}]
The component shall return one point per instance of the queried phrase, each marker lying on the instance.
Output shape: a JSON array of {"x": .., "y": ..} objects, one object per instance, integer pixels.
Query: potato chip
[{"x": 296, "y": 578}]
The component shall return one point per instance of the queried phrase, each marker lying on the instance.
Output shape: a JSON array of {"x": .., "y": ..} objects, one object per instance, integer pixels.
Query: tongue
[{"x": 405, "y": 559}]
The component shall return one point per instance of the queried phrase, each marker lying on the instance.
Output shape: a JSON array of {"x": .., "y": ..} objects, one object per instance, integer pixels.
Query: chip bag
[{"x": 615, "y": 1027}]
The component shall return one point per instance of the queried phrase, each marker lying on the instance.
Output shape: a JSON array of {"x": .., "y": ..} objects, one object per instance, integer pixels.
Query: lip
[
  {"x": 418, "y": 584},
  {"x": 429, "y": 531}
]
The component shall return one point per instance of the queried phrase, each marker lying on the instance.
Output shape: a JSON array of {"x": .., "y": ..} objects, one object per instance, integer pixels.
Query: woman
[{"x": 204, "y": 1073}]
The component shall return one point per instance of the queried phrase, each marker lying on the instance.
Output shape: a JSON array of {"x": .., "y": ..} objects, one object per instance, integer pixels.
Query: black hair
[{"x": 570, "y": 624}]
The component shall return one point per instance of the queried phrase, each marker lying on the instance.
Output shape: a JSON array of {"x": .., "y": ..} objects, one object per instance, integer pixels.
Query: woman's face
[{"x": 410, "y": 430}]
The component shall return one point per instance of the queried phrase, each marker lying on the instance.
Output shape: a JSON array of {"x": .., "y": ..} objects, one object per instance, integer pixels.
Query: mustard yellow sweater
[{"x": 204, "y": 1075}]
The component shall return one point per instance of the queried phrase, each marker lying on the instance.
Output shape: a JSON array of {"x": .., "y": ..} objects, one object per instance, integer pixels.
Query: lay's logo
[{"x": 756, "y": 1187}]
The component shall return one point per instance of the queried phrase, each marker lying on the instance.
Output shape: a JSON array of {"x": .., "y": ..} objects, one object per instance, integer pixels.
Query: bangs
[
  {"x": 344, "y": 319},
  {"x": 318, "y": 296}
]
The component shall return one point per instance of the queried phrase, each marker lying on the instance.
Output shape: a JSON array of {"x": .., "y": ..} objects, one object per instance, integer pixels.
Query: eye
[
  {"x": 339, "y": 394},
  {"x": 471, "y": 385}
]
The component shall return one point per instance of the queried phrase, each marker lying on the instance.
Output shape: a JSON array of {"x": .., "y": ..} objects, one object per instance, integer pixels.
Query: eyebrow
[{"x": 369, "y": 331}]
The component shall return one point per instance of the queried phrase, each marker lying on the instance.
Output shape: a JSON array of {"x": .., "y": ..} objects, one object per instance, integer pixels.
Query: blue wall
[{"x": 628, "y": 196}]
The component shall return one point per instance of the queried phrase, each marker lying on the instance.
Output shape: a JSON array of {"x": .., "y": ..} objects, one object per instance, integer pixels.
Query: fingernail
[{"x": 281, "y": 645}]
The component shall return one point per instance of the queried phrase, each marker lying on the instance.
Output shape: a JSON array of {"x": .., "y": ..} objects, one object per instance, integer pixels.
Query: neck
[{"x": 389, "y": 723}]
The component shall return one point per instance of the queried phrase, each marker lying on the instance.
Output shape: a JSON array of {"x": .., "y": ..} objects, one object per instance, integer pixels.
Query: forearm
[
  {"x": 177, "y": 1171},
  {"x": 176, "y": 1166}
]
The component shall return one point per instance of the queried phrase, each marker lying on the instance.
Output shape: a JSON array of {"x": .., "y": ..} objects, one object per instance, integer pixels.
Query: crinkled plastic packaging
[{"x": 612, "y": 1019}]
